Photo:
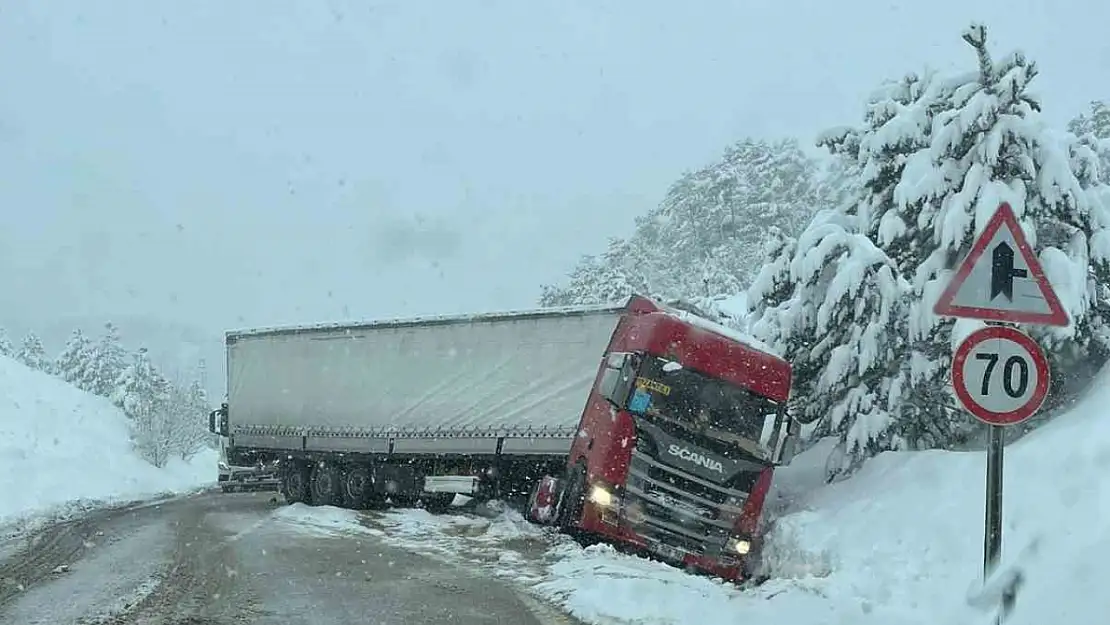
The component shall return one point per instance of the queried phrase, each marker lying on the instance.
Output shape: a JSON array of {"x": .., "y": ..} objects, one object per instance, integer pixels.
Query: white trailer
[{"x": 447, "y": 400}]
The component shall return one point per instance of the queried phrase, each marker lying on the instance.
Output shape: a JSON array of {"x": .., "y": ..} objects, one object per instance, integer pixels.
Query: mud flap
[{"x": 544, "y": 504}]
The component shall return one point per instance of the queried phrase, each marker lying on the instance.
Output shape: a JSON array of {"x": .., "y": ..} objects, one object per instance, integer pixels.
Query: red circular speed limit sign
[{"x": 1000, "y": 375}]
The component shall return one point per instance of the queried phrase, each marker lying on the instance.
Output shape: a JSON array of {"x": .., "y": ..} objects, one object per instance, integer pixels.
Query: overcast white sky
[{"x": 230, "y": 163}]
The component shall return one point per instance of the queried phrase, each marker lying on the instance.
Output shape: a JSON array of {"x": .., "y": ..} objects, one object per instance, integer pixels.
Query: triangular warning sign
[{"x": 1001, "y": 279}]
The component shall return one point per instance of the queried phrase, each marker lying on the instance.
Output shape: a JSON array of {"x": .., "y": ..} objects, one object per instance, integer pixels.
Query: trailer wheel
[
  {"x": 356, "y": 488},
  {"x": 294, "y": 484},
  {"x": 327, "y": 485}
]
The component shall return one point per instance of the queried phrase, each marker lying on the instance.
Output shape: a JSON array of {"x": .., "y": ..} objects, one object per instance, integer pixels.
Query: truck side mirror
[
  {"x": 217, "y": 421},
  {"x": 627, "y": 381},
  {"x": 787, "y": 445},
  {"x": 617, "y": 378}
]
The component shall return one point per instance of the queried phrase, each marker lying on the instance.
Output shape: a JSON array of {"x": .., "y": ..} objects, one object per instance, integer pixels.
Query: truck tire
[
  {"x": 294, "y": 484},
  {"x": 570, "y": 512},
  {"x": 327, "y": 484},
  {"x": 357, "y": 488}
]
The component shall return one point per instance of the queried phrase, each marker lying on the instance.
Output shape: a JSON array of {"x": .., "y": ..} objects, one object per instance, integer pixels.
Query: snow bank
[{"x": 61, "y": 447}]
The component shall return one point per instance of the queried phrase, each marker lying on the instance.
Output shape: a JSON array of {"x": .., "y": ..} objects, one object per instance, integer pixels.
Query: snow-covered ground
[
  {"x": 64, "y": 449},
  {"x": 899, "y": 543}
]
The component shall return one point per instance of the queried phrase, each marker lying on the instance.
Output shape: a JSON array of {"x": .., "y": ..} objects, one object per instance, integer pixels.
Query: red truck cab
[{"x": 677, "y": 443}]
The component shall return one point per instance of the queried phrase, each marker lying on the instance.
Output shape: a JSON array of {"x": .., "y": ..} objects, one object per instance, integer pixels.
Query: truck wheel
[
  {"x": 570, "y": 512},
  {"x": 326, "y": 485},
  {"x": 294, "y": 484},
  {"x": 356, "y": 488}
]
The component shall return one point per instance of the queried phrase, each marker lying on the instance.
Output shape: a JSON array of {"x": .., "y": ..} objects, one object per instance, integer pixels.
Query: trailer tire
[
  {"x": 357, "y": 488},
  {"x": 294, "y": 484},
  {"x": 326, "y": 484}
]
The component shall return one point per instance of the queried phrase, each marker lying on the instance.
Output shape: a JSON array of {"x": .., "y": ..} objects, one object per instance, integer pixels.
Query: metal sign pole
[{"x": 992, "y": 535}]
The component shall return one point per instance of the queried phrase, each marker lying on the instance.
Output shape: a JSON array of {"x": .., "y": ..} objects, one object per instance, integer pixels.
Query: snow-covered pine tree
[
  {"x": 144, "y": 395},
  {"x": 1095, "y": 121},
  {"x": 109, "y": 360},
  {"x": 1094, "y": 128},
  {"x": 75, "y": 363},
  {"x": 33, "y": 354},
  {"x": 832, "y": 304},
  {"x": 6, "y": 347},
  {"x": 703, "y": 240},
  {"x": 605, "y": 279},
  {"x": 897, "y": 127},
  {"x": 192, "y": 406},
  {"x": 708, "y": 231}
]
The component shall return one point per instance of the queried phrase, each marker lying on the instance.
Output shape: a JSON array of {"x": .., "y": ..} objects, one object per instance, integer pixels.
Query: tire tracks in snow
[
  {"x": 35, "y": 556},
  {"x": 184, "y": 585},
  {"x": 49, "y": 551},
  {"x": 200, "y": 585}
]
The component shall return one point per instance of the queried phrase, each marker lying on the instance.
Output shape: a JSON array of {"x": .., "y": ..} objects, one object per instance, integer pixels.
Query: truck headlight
[
  {"x": 601, "y": 496},
  {"x": 739, "y": 546},
  {"x": 223, "y": 466}
]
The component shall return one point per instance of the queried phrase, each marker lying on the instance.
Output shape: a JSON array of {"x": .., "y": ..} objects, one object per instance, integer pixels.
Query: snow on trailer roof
[{"x": 559, "y": 311}]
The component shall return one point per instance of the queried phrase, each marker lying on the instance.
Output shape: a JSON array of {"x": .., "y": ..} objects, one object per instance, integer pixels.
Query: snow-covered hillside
[
  {"x": 60, "y": 445},
  {"x": 900, "y": 543}
]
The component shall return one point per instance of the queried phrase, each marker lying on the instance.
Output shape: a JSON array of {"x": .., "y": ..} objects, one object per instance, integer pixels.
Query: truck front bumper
[{"x": 613, "y": 523}]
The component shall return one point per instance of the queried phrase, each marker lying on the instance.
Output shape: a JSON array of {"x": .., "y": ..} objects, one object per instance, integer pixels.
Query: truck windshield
[{"x": 667, "y": 389}]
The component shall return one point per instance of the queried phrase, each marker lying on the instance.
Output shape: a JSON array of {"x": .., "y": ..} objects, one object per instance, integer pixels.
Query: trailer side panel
[{"x": 369, "y": 388}]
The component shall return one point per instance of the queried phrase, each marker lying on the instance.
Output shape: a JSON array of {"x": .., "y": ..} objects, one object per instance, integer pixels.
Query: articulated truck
[{"x": 644, "y": 425}]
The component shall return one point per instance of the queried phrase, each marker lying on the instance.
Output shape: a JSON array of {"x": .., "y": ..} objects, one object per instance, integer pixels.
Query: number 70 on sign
[{"x": 1000, "y": 375}]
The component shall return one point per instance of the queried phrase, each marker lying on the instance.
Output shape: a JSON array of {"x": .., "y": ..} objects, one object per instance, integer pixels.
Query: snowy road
[{"x": 217, "y": 559}]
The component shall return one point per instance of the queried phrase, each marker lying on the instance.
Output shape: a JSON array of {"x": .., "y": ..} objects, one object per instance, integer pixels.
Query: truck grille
[{"x": 670, "y": 506}]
